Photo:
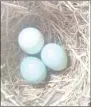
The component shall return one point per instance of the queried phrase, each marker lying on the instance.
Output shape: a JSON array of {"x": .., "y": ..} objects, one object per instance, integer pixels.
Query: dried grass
[{"x": 62, "y": 22}]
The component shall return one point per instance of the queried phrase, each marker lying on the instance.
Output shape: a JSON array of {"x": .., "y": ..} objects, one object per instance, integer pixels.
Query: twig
[
  {"x": 68, "y": 6},
  {"x": 85, "y": 39},
  {"x": 83, "y": 18},
  {"x": 2, "y": 65},
  {"x": 11, "y": 18},
  {"x": 15, "y": 26},
  {"x": 76, "y": 19},
  {"x": 2, "y": 14},
  {"x": 69, "y": 90},
  {"x": 71, "y": 5},
  {"x": 59, "y": 28},
  {"x": 13, "y": 5},
  {"x": 49, "y": 4},
  {"x": 7, "y": 15},
  {"x": 78, "y": 58},
  {"x": 48, "y": 98},
  {"x": 5, "y": 94}
]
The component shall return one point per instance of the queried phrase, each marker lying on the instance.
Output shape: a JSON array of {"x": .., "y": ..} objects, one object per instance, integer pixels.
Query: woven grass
[{"x": 62, "y": 22}]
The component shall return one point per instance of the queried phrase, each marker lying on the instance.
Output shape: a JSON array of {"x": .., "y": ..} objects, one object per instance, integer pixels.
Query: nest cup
[{"x": 59, "y": 22}]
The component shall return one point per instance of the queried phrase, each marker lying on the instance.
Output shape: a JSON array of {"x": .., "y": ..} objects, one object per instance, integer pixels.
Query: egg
[
  {"x": 33, "y": 70},
  {"x": 31, "y": 40},
  {"x": 54, "y": 56}
]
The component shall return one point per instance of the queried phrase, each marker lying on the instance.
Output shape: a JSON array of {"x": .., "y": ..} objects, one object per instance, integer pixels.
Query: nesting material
[{"x": 62, "y": 22}]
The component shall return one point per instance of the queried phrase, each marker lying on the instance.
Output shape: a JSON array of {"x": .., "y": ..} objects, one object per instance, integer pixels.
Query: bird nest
[{"x": 61, "y": 22}]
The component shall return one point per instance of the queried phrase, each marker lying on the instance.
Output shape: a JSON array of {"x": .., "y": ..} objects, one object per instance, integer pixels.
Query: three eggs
[{"x": 33, "y": 69}]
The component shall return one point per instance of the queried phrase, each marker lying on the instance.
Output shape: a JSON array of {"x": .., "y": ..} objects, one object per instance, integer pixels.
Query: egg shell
[
  {"x": 31, "y": 40},
  {"x": 54, "y": 56},
  {"x": 33, "y": 70}
]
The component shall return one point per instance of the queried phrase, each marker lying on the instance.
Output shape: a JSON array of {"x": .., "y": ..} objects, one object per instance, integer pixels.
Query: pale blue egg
[
  {"x": 31, "y": 40},
  {"x": 33, "y": 70},
  {"x": 54, "y": 56}
]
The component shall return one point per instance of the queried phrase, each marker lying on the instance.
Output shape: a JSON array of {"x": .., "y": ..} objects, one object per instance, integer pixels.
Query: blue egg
[
  {"x": 31, "y": 40},
  {"x": 33, "y": 70},
  {"x": 54, "y": 56}
]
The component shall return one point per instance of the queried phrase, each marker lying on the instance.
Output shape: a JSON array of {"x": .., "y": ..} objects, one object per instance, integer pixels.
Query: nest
[{"x": 61, "y": 22}]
